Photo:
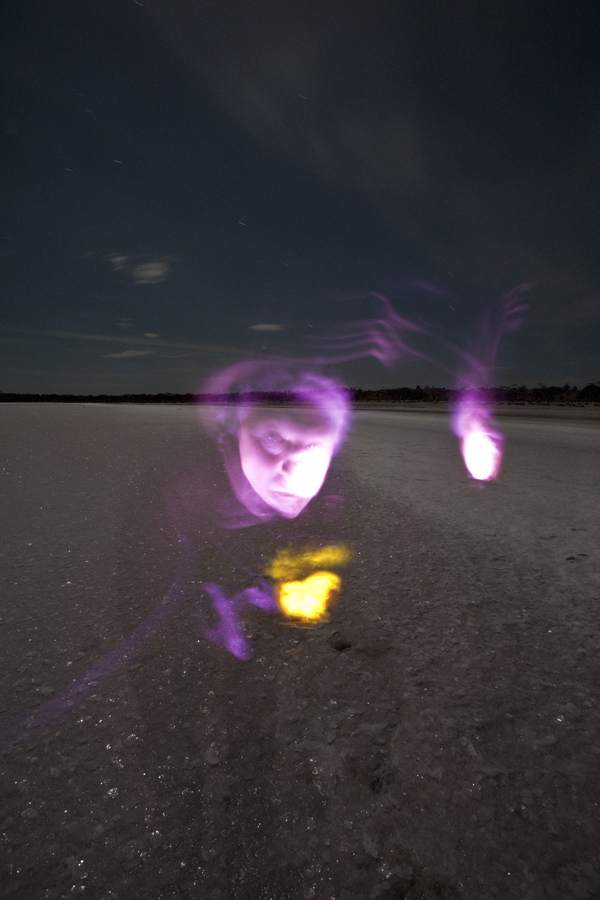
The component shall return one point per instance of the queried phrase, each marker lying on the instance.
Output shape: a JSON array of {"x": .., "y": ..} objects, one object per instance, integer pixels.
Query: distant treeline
[
  {"x": 542, "y": 394},
  {"x": 513, "y": 394},
  {"x": 98, "y": 398}
]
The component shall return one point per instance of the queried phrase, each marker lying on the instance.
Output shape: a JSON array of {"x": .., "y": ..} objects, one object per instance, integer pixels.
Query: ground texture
[{"x": 439, "y": 738}]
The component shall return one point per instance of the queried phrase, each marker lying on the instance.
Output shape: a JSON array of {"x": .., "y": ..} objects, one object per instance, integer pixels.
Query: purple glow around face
[
  {"x": 285, "y": 456},
  {"x": 279, "y": 454}
]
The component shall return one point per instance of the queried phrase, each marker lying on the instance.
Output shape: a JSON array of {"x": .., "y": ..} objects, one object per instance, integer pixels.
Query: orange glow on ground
[{"x": 308, "y": 600}]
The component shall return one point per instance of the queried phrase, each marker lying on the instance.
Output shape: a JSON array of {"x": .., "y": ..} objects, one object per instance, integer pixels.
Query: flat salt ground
[
  {"x": 544, "y": 507},
  {"x": 452, "y": 751}
]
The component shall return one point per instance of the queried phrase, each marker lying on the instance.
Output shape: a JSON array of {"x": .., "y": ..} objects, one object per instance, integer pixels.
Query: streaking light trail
[
  {"x": 388, "y": 337},
  {"x": 480, "y": 443}
]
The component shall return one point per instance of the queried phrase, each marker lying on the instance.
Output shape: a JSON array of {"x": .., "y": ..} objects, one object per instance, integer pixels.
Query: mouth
[{"x": 288, "y": 504}]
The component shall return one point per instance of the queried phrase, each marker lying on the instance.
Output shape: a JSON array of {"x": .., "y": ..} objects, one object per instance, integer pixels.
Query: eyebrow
[{"x": 317, "y": 433}]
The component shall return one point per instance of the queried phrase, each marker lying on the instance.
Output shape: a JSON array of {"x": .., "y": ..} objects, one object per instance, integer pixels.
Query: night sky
[{"x": 175, "y": 173}]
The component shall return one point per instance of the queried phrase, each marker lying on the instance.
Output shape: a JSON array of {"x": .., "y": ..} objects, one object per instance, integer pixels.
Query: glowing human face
[{"x": 285, "y": 456}]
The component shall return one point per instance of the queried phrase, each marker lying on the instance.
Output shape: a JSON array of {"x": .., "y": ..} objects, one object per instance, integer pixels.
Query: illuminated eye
[{"x": 272, "y": 442}]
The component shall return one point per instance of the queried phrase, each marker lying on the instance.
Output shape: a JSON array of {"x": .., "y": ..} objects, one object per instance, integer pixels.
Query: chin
[{"x": 292, "y": 508}]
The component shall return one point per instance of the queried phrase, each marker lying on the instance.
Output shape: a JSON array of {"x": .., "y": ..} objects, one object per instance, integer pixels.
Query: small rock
[
  {"x": 493, "y": 772},
  {"x": 370, "y": 846},
  {"x": 29, "y": 813}
]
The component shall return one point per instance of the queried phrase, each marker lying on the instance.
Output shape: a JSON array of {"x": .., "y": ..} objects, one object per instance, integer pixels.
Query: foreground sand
[{"x": 450, "y": 751}]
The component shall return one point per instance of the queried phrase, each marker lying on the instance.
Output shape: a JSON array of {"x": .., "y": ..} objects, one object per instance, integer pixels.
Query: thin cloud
[
  {"x": 151, "y": 273},
  {"x": 124, "y": 339},
  {"x": 266, "y": 327},
  {"x": 148, "y": 271},
  {"x": 128, "y": 354},
  {"x": 118, "y": 262}
]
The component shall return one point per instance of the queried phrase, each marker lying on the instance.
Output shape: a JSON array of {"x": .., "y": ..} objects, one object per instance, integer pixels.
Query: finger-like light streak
[{"x": 480, "y": 443}]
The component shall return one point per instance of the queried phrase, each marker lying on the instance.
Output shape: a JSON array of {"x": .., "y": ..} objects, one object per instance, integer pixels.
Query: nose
[
  {"x": 292, "y": 458},
  {"x": 288, "y": 465}
]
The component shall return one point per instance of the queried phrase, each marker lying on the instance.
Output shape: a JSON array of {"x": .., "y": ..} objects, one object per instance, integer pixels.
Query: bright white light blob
[
  {"x": 480, "y": 445},
  {"x": 482, "y": 454}
]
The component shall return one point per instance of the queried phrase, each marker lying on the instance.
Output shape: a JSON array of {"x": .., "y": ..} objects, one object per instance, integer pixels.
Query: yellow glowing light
[
  {"x": 309, "y": 599},
  {"x": 289, "y": 564}
]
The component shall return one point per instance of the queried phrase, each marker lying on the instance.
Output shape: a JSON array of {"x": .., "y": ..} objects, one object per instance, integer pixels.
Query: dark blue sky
[{"x": 363, "y": 145}]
